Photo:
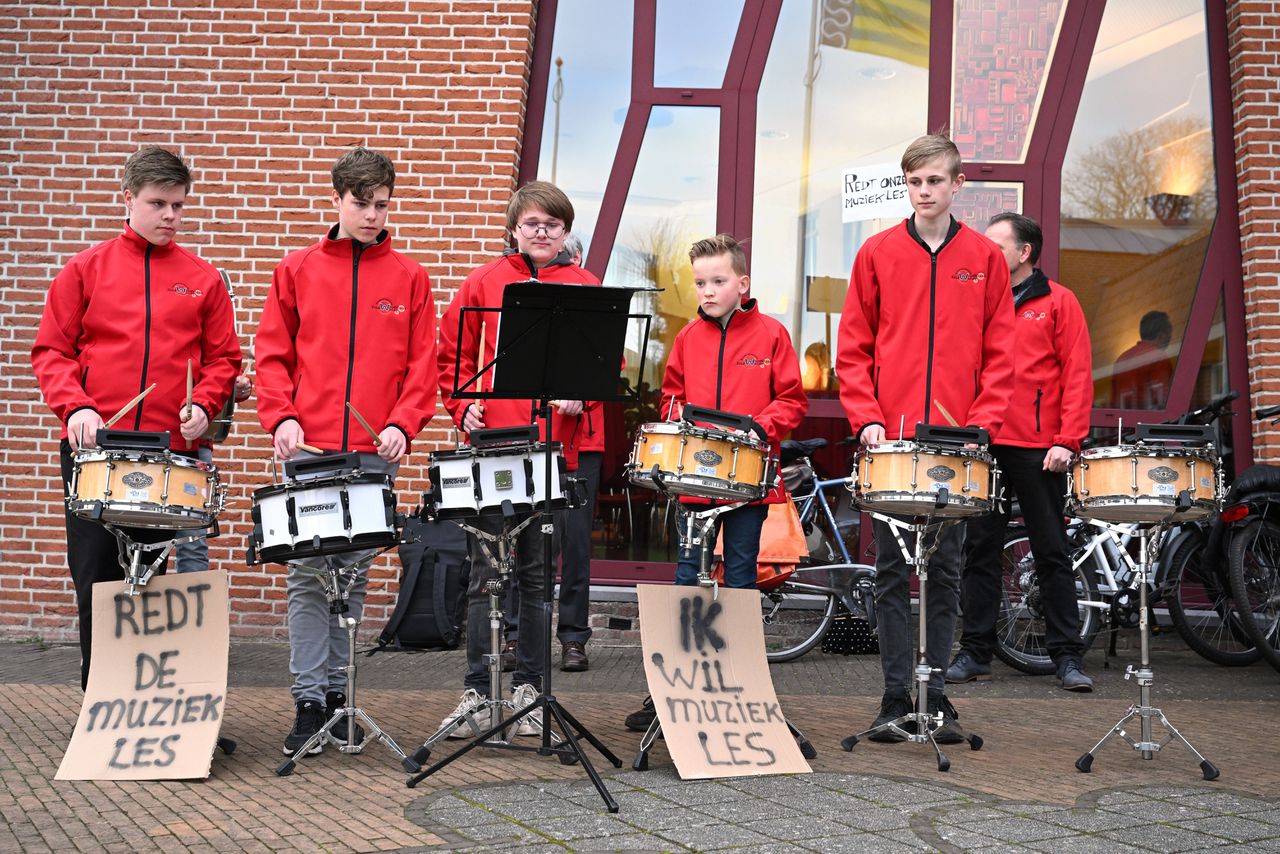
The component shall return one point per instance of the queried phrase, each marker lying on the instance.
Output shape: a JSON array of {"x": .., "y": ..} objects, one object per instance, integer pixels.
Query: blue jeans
[
  {"x": 194, "y": 556},
  {"x": 741, "y": 547}
]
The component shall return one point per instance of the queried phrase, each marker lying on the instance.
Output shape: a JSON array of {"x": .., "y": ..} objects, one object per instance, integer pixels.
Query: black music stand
[{"x": 555, "y": 342}]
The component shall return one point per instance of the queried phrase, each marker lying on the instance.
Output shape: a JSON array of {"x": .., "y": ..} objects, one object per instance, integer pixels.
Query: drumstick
[
  {"x": 130, "y": 405},
  {"x": 188, "y": 410},
  {"x": 310, "y": 449},
  {"x": 945, "y": 413},
  {"x": 377, "y": 443}
]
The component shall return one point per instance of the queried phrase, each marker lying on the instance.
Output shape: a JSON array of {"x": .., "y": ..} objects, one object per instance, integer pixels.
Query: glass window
[
  {"x": 978, "y": 201},
  {"x": 1138, "y": 195},
  {"x": 693, "y": 42}
]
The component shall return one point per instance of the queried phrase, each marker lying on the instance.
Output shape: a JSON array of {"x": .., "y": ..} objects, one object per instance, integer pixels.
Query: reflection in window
[
  {"x": 593, "y": 37},
  {"x": 1138, "y": 196},
  {"x": 978, "y": 201},
  {"x": 694, "y": 41}
]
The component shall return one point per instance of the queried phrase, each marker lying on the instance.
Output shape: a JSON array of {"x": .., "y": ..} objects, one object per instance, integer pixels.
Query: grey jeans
[
  {"x": 893, "y": 606},
  {"x": 318, "y": 644},
  {"x": 194, "y": 556}
]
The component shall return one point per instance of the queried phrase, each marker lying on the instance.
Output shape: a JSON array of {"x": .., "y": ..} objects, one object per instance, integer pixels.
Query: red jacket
[
  {"x": 483, "y": 288},
  {"x": 747, "y": 367},
  {"x": 921, "y": 329},
  {"x": 345, "y": 323},
  {"x": 1053, "y": 369},
  {"x": 125, "y": 314}
]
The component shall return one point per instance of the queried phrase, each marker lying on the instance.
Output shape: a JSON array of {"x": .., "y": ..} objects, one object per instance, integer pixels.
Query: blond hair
[
  {"x": 721, "y": 244},
  {"x": 931, "y": 147}
]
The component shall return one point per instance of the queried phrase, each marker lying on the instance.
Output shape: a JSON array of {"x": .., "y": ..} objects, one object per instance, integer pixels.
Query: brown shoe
[
  {"x": 573, "y": 656},
  {"x": 509, "y": 657}
]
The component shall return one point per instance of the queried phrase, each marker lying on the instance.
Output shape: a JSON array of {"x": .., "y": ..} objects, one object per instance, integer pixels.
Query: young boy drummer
[
  {"x": 733, "y": 358},
  {"x": 927, "y": 331},
  {"x": 348, "y": 320},
  {"x": 539, "y": 216},
  {"x": 120, "y": 316}
]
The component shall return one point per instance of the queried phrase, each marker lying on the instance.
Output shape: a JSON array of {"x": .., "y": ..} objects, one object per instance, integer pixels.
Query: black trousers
[
  {"x": 1041, "y": 495},
  {"x": 93, "y": 556}
]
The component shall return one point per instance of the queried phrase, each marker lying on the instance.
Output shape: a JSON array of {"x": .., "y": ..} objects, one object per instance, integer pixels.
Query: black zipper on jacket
[
  {"x": 724, "y": 333},
  {"x": 146, "y": 334},
  {"x": 356, "y": 249},
  {"x": 1039, "y": 394},
  {"x": 952, "y": 231}
]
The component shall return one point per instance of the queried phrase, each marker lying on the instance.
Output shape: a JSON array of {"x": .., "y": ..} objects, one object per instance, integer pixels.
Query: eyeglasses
[{"x": 530, "y": 229}]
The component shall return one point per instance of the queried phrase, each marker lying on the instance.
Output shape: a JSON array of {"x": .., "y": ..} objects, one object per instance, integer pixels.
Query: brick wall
[
  {"x": 1254, "y": 47},
  {"x": 260, "y": 96}
]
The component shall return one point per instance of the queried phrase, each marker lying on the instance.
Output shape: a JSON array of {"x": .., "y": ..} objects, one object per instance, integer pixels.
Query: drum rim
[
  {"x": 1119, "y": 452},
  {"x": 913, "y": 446},
  {"x": 74, "y": 504},
  {"x": 468, "y": 452},
  {"x": 679, "y": 428},
  {"x": 98, "y": 455},
  {"x": 320, "y": 482},
  {"x": 643, "y": 477}
]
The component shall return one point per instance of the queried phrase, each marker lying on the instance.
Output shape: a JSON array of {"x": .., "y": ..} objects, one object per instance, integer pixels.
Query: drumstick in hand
[
  {"x": 188, "y": 409},
  {"x": 310, "y": 449},
  {"x": 945, "y": 413},
  {"x": 377, "y": 442},
  {"x": 130, "y": 405}
]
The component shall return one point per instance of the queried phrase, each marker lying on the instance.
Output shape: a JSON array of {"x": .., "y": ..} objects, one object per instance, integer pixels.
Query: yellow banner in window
[{"x": 898, "y": 29}]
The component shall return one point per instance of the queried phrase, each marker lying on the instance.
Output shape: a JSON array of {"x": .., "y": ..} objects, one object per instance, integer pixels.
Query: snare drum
[
  {"x": 473, "y": 482},
  {"x": 905, "y": 478},
  {"x": 702, "y": 462},
  {"x": 321, "y": 516},
  {"x": 144, "y": 489},
  {"x": 1136, "y": 483}
]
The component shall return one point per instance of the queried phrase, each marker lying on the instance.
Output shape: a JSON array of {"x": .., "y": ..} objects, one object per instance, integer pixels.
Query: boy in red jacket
[
  {"x": 1046, "y": 421},
  {"x": 731, "y": 357},
  {"x": 927, "y": 328},
  {"x": 347, "y": 320},
  {"x": 539, "y": 216},
  {"x": 122, "y": 315}
]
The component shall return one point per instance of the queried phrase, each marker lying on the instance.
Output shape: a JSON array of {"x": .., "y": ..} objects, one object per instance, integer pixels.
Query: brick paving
[{"x": 1020, "y": 792}]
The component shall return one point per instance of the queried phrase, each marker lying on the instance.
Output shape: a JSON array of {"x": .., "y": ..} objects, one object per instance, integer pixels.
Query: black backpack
[{"x": 431, "y": 610}]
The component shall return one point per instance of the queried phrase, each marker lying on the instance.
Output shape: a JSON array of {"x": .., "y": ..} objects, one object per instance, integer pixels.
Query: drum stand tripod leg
[{"x": 1143, "y": 710}]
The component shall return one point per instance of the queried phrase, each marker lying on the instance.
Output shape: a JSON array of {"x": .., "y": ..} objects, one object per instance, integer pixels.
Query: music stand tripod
[
  {"x": 555, "y": 342},
  {"x": 337, "y": 594}
]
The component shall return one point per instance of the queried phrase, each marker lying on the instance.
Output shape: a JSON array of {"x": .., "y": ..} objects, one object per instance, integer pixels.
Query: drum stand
[
  {"x": 137, "y": 573},
  {"x": 923, "y": 724},
  {"x": 498, "y": 708},
  {"x": 697, "y": 533},
  {"x": 348, "y": 714},
  {"x": 1148, "y": 547}
]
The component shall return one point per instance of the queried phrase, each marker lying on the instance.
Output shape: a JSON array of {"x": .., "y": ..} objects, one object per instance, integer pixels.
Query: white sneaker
[
  {"x": 521, "y": 696},
  {"x": 472, "y": 705}
]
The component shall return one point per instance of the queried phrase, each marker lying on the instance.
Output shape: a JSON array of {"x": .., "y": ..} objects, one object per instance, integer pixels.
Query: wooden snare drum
[
  {"x": 1136, "y": 483},
  {"x": 684, "y": 459},
  {"x": 144, "y": 489},
  {"x": 906, "y": 478}
]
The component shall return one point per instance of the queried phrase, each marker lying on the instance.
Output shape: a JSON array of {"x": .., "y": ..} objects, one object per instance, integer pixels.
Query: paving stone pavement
[{"x": 1019, "y": 793}]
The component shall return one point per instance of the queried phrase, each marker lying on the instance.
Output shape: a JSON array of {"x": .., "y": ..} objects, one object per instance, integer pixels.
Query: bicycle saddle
[{"x": 793, "y": 449}]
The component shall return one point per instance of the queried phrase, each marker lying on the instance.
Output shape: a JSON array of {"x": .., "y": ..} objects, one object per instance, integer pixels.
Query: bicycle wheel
[
  {"x": 1201, "y": 608},
  {"x": 1253, "y": 565},
  {"x": 796, "y": 615},
  {"x": 1020, "y": 626}
]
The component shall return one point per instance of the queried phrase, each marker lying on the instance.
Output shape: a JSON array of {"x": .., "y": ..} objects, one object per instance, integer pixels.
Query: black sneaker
[
  {"x": 892, "y": 707},
  {"x": 333, "y": 701},
  {"x": 639, "y": 721},
  {"x": 949, "y": 732},
  {"x": 308, "y": 722}
]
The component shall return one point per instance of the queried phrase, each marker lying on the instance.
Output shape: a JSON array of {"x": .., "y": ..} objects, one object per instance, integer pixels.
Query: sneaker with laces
[
  {"x": 642, "y": 718},
  {"x": 1073, "y": 677},
  {"x": 521, "y": 696},
  {"x": 310, "y": 718},
  {"x": 949, "y": 732},
  {"x": 335, "y": 701},
  {"x": 892, "y": 706},
  {"x": 473, "y": 707},
  {"x": 965, "y": 668}
]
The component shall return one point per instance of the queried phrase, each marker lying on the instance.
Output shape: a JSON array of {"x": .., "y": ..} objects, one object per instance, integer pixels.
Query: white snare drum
[
  {"x": 473, "y": 482},
  {"x": 703, "y": 462},
  {"x": 144, "y": 489},
  {"x": 321, "y": 516},
  {"x": 1137, "y": 483},
  {"x": 906, "y": 478}
]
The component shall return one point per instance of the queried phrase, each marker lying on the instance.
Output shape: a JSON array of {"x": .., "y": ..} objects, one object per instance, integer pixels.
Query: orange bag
[{"x": 782, "y": 545}]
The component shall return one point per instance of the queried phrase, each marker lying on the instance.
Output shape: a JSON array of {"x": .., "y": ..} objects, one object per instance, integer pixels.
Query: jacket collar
[
  {"x": 952, "y": 231},
  {"x": 523, "y": 263},
  {"x": 346, "y": 246},
  {"x": 140, "y": 243},
  {"x": 1033, "y": 286},
  {"x": 748, "y": 307}
]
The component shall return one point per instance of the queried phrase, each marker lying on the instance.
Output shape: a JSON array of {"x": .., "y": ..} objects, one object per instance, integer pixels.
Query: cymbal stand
[
  {"x": 1149, "y": 541},
  {"x": 337, "y": 594},
  {"x": 922, "y": 724}
]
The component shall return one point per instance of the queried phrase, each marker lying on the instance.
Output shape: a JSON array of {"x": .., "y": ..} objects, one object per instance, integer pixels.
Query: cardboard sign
[
  {"x": 158, "y": 681},
  {"x": 878, "y": 191},
  {"x": 704, "y": 659}
]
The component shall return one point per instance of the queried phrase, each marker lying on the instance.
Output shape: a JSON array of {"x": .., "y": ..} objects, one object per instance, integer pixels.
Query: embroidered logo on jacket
[
  {"x": 182, "y": 290},
  {"x": 386, "y": 306},
  {"x": 1034, "y": 315},
  {"x": 750, "y": 361},
  {"x": 964, "y": 275}
]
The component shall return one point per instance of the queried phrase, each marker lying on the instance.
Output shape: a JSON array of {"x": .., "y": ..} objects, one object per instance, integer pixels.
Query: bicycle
[
  {"x": 829, "y": 583},
  {"x": 1197, "y": 599}
]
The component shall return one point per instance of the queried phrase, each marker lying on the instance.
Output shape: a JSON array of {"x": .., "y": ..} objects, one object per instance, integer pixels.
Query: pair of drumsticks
[{"x": 377, "y": 441}]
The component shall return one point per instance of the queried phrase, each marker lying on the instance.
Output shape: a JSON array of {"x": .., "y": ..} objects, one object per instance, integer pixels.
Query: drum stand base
[
  {"x": 918, "y": 727},
  {"x": 1148, "y": 547},
  {"x": 344, "y": 719}
]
